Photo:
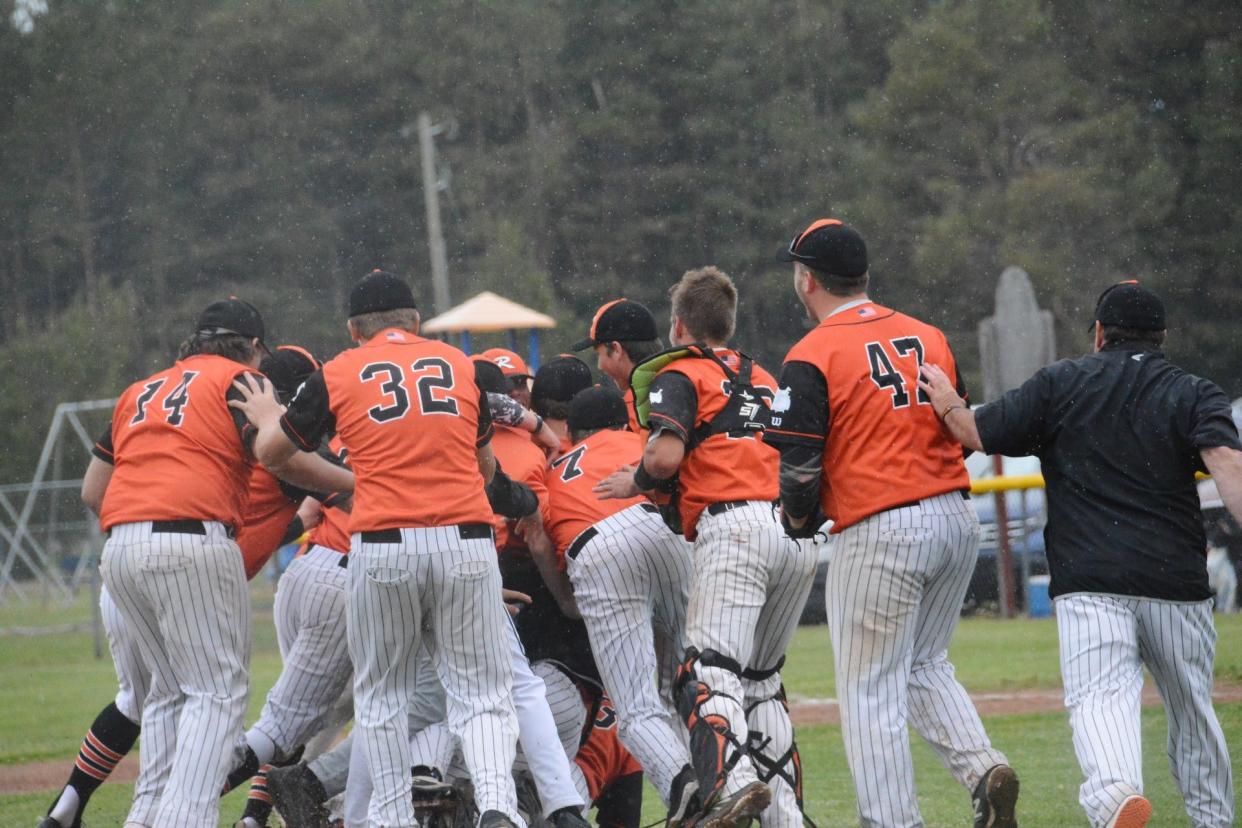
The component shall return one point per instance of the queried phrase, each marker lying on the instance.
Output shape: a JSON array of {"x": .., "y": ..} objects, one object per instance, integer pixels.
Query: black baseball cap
[
  {"x": 1130, "y": 305},
  {"x": 597, "y": 407},
  {"x": 829, "y": 246},
  {"x": 379, "y": 291},
  {"x": 288, "y": 367},
  {"x": 619, "y": 321},
  {"x": 230, "y": 316},
  {"x": 559, "y": 380},
  {"x": 488, "y": 376}
]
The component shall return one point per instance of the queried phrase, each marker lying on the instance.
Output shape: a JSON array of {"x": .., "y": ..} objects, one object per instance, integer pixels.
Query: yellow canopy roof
[{"x": 487, "y": 312}]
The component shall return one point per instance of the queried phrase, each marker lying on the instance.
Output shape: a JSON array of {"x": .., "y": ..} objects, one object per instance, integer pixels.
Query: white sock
[
  {"x": 66, "y": 808},
  {"x": 264, "y": 748}
]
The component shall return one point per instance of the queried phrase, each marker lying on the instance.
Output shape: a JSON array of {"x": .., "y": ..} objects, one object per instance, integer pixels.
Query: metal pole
[
  {"x": 431, "y": 197},
  {"x": 1026, "y": 554},
  {"x": 1004, "y": 550}
]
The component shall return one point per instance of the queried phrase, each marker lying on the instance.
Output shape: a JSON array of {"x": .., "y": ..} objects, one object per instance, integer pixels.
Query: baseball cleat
[
  {"x": 248, "y": 822},
  {"x": 568, "y": 817},
  {"x": 495, "y": 819},
  {"x": 298, "y": 796},
  {"x": 737, "y": 810},
  {"x": 995, "y": 798},
  {"x": 1133, "y": 813},
  {"x": 684, "y": 801},
  {"x": 49, "y": 822}
]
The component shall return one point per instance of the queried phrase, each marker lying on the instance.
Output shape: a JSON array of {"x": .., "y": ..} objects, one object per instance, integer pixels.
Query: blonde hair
[{"x": 368, "y": 325}]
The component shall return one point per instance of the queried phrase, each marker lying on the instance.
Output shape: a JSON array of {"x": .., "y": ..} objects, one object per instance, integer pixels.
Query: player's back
[
  {"x": 573, "y": 506},
  {"x": 524, "y": 462},
  {"x": 179, "y": 454},
  {"x": 332, "y": 532},
  {"x": 886, "y": 445},
  {"x": 725, "y": 466},
  {"x": 408, "y": 410},
  {"x": 265, "y": 519}
]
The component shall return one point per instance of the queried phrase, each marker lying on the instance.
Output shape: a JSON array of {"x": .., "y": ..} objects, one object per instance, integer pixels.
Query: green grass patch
[{"x": 53, "y": 687}]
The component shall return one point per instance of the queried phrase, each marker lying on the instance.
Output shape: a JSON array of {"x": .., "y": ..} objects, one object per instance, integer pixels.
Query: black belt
[
  {"x": 589, "y": 534},
  {"x": 184, "y": 526},
  {"x": 582, "y": 540},
  {"x": 343, "y": 563},
  {"x": 466, "y": 531},
  {"x": 725, "y": 506},
  {"x": 965, "y": 493}
]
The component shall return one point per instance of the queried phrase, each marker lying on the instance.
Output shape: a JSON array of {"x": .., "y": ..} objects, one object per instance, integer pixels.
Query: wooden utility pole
[{"x": 431, "y": 198}]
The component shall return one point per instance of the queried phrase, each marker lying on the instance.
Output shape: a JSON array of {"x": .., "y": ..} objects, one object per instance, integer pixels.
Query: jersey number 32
[{"x": 433, "y": 376}]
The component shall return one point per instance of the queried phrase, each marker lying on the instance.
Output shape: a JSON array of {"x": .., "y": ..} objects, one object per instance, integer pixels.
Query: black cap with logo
[
  {"x": 829, "y": 246},
  {"x": 597, "y": 407},
  {"x": 1130, "y": 305},
  {"x": 230, "y": 316},
  {"x": 288, "y": 367},
  {"x": 380, "y": 291},
  {"x": 488, "y": 376},
  {"x": 619, "y": 321}
]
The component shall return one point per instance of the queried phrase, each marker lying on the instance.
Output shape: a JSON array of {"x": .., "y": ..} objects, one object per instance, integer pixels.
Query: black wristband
[{"x": 643, "y": 479}]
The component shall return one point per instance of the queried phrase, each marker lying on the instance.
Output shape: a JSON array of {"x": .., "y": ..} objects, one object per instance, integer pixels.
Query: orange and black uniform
[
  {"x": 364, "y": 395},
  {"x": 849, "y": 403},
  {"x": 175, "y": 460},
  {"x": 613, "y": 776},
  {"x": 685, "y": 396},
  {"x": 574, "y": 507},
  {"x": 332, "y": 531}
]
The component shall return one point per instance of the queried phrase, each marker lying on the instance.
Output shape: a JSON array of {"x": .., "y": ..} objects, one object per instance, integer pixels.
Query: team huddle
[{"x": 530, "y": 592}]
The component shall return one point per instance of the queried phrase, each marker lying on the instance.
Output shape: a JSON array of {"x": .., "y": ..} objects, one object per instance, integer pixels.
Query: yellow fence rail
[{"x": 1014, "y": 482}]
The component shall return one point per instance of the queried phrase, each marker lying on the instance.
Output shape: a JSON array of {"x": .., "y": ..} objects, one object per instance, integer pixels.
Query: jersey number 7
[{"x": 888, "y": 378}]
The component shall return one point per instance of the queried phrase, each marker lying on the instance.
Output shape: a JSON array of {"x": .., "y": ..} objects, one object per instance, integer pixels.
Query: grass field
[{"x": 52, "y": 686}]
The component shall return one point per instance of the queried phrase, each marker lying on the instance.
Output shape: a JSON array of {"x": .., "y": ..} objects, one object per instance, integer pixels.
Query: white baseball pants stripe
[
  {"x": 444, "y": 590},
  {"x": 1105, "y": 642},
  {"x": 184, "y": 599},
  {"x": 632, "y": 584},
  {"x": 751, "y": 582},
  {"x": 894, "y": 593}
]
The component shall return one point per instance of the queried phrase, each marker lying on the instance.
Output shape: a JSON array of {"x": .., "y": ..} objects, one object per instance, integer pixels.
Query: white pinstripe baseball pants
[
  {"x": 750, "y": 584},
  {"x": 542, "y": 752},
  {"x": 632, "y": 584},
  {"x": 184, "y": 598},
  {"x": 310, "y": 630},
  {"x": 1105, "y": 642},
  {"x": 894, "y": 593},
  {"x": 132, "y": 676},
  {"x": 443, "y": 590}
]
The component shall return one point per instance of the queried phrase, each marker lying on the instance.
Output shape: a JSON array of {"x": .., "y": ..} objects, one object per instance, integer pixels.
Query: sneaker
[
  {"x": 1133, "y": 813},
  {"x": 995, "y": 798},
  {"x": 737, "y": 810}
]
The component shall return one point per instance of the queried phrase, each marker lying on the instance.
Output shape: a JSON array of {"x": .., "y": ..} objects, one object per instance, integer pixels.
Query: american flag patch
[
  {"x": 867, "y": 311},
  {"x": 396, "y": 336}
]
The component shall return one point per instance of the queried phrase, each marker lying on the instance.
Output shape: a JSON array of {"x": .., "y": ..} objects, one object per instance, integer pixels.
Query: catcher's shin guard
[
  {"x": 714, "y": 748},
  {"x": 772, "y": 748}
]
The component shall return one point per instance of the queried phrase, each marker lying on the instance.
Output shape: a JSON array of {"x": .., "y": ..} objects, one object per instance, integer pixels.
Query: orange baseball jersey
[
  {"x": 686, "y": 395},
  {"x": 850, "y": 385},
  {"x": 573, "y": 506},
  {"x": 524, "y": 462},
  {"x": 601, "y": 757},
  {"x": 332, "y": 532},
  {"x": 178, "y": 448},
  {"x": 633, "y": 414},
  {"x": 411, "y": 416},
  {"x": 267, "y": 515}
]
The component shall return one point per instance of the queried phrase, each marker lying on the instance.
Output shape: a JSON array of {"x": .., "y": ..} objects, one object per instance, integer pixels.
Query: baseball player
[
  {"x": 555, "y": 384},
  {"x": 1120, "y": 435},
  {"x": 171, "y": 565},
  {"x": 861, "y": 444},
  {"x": 517, "y": 375},
  {"x": 708, "y": 406},
  {"x": 423, "y": 569},
  {"x": 116, "y": 728},
  {"x": 630, "y": 579},
  {"x": 622, "y": 335}
]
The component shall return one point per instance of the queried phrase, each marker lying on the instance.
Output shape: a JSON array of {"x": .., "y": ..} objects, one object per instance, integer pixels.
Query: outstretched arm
[
  {"x": 949, "y": 406},
  {"x": 1225, "y": 466}
]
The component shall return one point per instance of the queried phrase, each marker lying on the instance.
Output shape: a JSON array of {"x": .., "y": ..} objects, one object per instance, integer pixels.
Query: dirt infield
[{"x": 43, "y": 776}]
